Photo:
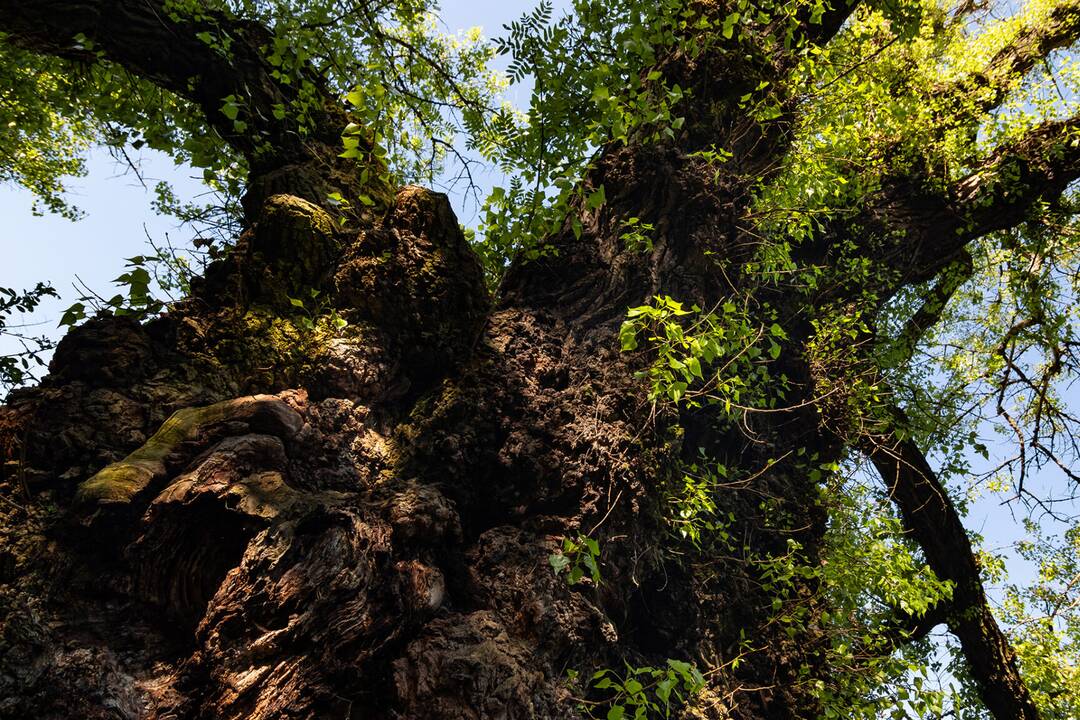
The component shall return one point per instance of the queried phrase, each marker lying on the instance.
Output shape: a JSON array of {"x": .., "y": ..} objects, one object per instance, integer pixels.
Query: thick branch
[
  {"x": 1037, "y": 167},
  {"x": 929, "y": 516},
  {"x": 1031, "y": 45},
  {"x": 203, "y": 60},
  {"x": 901, "y": 628},
  {"x": 820, "y": 29},
  {"x": 928, "y": 314},
  {"x": 927, "y": 230},
  {"x": 144, "y": 37}
]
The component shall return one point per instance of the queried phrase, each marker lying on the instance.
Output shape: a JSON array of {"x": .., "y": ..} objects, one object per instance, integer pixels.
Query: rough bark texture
[
  {"x": 231, "y": 517},
  {"x": 369, "y": 539}
]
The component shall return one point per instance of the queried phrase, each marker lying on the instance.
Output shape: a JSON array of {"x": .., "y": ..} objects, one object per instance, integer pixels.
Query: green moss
[
  {"x": 122, "y": 481},
  {"x": 301, "y": 212},
  {"x": 445, "y": 409},
  {"x": 298, "y": 243},
  {"x": 277, "y": 347}
]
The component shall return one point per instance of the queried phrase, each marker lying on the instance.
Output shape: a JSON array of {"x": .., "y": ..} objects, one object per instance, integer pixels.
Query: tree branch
[
  {"x": 1039, "y": 166},
  {"x": 203, "y": 59},
  {"x": 905, "y": 627},
  {"x": 1033, "y": 42},
  {"x": 927, "y": 230},
  {"x": 820, "y": 30},
  {"x": 928, "y": 314},
  {"x": 147, "y": 39},
  {"x": 929, "y": 516}
]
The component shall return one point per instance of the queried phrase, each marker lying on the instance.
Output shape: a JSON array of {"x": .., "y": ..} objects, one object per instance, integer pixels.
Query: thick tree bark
[{"x": 232, "y": 518}]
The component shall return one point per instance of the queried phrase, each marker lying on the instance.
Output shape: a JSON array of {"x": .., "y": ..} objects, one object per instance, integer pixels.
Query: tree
[{"x": 592, "y": 461}]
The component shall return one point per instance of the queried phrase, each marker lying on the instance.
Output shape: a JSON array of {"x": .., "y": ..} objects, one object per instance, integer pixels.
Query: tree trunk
[
  {"x": 370, "y": 538},
  {"x": 233, "y": 516}
]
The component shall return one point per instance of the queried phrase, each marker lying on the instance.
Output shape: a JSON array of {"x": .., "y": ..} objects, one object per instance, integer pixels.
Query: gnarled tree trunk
[{"x": 232, "y": 518}]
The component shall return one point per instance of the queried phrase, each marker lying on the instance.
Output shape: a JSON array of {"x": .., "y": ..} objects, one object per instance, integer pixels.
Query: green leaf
[
  {"x": 677, "y": 391},
  {"x": 728, "y": 28},
  {"x": 71, "y": 316},
  {"x": 558, "y": 562},
  {"x": 596, "y": 199}
]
